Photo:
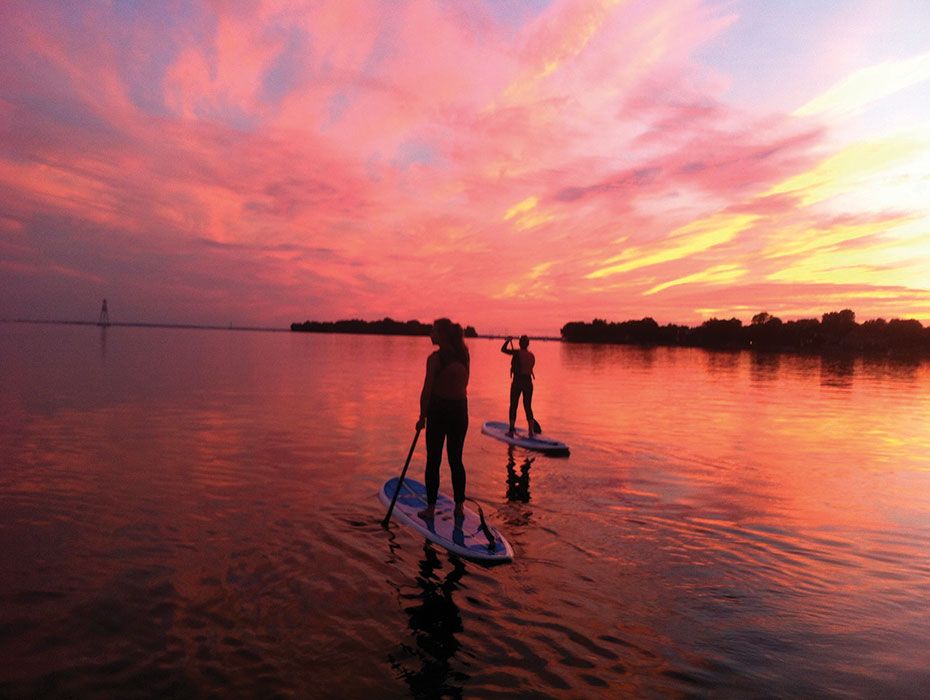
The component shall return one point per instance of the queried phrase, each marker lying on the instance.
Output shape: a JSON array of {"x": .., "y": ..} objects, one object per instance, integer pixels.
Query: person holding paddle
[
  {"x": 522, "y": 362},
  {"x": 444, "y": 411}
]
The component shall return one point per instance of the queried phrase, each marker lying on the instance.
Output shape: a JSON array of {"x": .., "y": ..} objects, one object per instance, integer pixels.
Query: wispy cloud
[{"x": 868, "y": 86}]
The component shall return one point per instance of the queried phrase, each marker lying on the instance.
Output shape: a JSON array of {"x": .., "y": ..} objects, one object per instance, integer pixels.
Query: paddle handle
[{"x": 384, "y": 523}]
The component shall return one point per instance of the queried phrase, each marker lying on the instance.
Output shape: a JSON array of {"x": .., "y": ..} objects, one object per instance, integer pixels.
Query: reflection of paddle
[{"x": 384, "y": 523}]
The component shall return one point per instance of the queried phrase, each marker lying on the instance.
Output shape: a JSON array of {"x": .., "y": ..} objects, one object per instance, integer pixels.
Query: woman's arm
[{"x": 506, "y": 350}]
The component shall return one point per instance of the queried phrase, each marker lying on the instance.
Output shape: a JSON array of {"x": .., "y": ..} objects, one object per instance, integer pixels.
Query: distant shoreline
[
  {"x": 389, "y": 326},
  {"x": 385, "y": 326},
  {"x": 835, "y": 332},
  {"x": 112, "y": 324}
]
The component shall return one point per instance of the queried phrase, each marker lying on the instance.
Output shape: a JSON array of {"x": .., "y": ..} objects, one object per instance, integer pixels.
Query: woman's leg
[
  {"x": 435, "y": 435},
  {"x": 514, "y": 397},
  {"x": 528, "y": 405},
  {"x": 458, "y": 427}
]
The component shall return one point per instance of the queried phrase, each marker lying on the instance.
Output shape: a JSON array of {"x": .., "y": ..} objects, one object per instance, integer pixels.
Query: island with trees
[
  {"x": 386, "y": 326},
  {"x": 834, "y": 331}
]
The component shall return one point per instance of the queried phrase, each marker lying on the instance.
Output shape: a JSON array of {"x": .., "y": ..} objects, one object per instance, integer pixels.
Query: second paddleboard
[{"x": 500, "y": 431}]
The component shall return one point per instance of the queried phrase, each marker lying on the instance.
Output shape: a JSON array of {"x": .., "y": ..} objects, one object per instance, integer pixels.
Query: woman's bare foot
[{"x": 427, "y": 513}]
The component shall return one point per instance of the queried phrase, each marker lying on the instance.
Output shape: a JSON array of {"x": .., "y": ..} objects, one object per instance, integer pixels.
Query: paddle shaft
[{"x": 387, "y": 518}]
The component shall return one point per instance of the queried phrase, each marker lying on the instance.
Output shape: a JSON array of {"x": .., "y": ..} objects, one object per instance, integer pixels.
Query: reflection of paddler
[
  {"x": 435, "y": 622},
  {"x": 518, "y": 485},
  {"x": 522, "y": 362}
]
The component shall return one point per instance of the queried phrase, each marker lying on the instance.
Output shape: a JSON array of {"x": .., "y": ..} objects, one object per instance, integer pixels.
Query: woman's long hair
[{"x": 454, "y": 348}]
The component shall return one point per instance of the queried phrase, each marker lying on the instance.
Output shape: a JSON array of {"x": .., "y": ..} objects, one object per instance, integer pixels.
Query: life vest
[{"x": 516, "y": 365}]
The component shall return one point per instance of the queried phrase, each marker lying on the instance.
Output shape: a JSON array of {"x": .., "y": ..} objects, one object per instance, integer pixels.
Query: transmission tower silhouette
[{"x": 104, "y": 319}]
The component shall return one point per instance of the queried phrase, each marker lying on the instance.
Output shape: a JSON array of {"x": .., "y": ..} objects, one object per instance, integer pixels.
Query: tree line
[
  {"x": 834, "y": 331},
  {"x": 386, "y": 326}
]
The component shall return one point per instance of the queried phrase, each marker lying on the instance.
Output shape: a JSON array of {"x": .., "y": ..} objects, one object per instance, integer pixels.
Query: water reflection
[
  {"x": 103, "y": 344},
  {"x": 724, "y": 522},
  {"x": 837, "y": 371},
  {"x": 722, "y": 361},
  {"x": 600, "y": 359},
  {"x": 645, "y": 358},
  {"x": 434, "y": 620},
  {"x": 764, "y": 367},
  {"x": 892, "y": 368},
  {"x": 518, "y": 485}
]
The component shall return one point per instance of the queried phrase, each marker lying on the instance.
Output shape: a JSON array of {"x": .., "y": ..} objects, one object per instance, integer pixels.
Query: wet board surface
[
  {"x": 540, "y": 443},
  {"x": 462, "y": 536}
]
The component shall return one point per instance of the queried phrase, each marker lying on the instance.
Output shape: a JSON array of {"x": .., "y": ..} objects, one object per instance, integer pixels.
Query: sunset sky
[{"x": 513, "y": 165}]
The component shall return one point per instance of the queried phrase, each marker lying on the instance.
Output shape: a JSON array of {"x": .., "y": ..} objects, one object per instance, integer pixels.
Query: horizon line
[{"x": 198, "y": 326}]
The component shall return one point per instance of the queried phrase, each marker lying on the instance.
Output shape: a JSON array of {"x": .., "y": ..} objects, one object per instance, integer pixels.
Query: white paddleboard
[
  {"x": 463, "y": 536},
  {"x": 498, "y": 430}
]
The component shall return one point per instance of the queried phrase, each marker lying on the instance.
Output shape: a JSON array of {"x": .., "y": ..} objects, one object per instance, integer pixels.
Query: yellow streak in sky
[
  {"x": 540, "y": 270},
  {"x": 896, "y": 258},
  {"x": 814, "y": 239},
  {"x": 718, "y": 312},
  {"x": 527, "y": 217},
  {"x": 692, "y": 238},
  {"x": 521, "y": 207},
  {"x": 837, "y": 269},
  {"x": 510, "y": 291},
  {"x": 835, "y": 174},
  {"x": 869, "y": 85},
  {"x": 531, "y": 287},
  {"x": 880, "y": 176},
  {"x": 533, "y": 220},
  {"x": 719, "y": 274}
]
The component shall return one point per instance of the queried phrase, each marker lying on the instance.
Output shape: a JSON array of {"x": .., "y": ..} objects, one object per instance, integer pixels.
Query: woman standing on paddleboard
[
  {"x": 522, "y": 362},
  {"x": 444, "y": 411}
]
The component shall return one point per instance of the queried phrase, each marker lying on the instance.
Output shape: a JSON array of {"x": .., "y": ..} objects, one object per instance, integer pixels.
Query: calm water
[{"x": 195, "y": 512}]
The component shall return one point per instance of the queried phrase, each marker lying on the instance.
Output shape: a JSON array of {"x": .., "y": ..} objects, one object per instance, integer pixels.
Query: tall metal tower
[{"x": 104, "y": 319}]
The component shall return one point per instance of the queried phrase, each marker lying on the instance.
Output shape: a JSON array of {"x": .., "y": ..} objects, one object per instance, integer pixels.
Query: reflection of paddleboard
[
  {"x": 540, "y": 443},
  {"x": 463, "y": 536}
]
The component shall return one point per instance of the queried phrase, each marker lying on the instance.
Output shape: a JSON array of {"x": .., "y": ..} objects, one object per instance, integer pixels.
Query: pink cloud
[{"x": 274, "y": 157}]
